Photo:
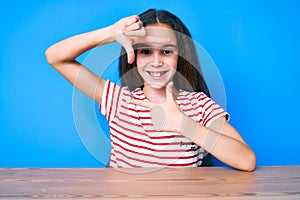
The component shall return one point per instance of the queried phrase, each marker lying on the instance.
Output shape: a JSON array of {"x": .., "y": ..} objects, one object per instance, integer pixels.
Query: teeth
[{"x": 156, "y": 74}]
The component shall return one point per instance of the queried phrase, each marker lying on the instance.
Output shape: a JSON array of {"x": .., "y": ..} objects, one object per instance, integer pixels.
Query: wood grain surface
[{"x": 164, "y": 183}]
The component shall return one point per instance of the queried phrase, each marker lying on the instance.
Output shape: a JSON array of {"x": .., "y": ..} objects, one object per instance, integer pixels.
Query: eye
[
  {"x": 144, "y": 51},
  {"x": 168, "y": 51}
]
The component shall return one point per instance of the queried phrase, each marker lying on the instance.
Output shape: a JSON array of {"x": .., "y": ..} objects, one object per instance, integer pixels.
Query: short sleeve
[
  {"x": 110, "y": 100},
  {"x": 210, "y": 110}
]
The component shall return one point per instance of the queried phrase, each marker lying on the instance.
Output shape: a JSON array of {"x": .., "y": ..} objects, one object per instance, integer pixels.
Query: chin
[{"x": 156, "y": 85}]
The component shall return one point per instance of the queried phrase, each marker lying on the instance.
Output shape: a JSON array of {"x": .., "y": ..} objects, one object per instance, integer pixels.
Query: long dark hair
[{"x": 189, "y": 76}]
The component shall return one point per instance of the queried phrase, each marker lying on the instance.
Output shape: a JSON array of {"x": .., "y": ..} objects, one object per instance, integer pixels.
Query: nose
[{"x": 157, "y": 60}]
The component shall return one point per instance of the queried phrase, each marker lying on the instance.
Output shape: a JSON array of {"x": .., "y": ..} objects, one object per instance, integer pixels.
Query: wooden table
[{"x": 166, "y": 183}]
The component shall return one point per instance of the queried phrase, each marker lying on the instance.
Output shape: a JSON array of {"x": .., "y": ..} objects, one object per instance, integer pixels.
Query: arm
[
  {"x": 62, "y": 55},
  {"x": 225, "y": 143},
  {"x": 220, "y": 139}
]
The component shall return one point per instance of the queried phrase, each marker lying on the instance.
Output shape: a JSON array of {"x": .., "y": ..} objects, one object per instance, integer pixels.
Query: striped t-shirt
[{"x": 134, "y": 141}]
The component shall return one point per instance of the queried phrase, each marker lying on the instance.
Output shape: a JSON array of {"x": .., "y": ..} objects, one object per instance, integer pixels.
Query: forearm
[
  {"x": 62, "y": 55},
  {"x": 69, "y": 49},
  {"x": 220, "y": 139},
  {"x": 227, "y": 149}
]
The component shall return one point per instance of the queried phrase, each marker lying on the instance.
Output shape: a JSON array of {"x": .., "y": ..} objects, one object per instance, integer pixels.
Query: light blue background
[{"x": 255, "y": 45}]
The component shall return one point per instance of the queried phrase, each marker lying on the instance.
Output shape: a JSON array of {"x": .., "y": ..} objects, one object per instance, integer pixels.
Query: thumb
[
  {"x": 130, "y": 52},
  {"x": 169, "y": 92}
]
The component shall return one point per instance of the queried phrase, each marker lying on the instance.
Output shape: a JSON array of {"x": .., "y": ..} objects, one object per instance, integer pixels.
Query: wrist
[
  {"x": 199, "y": 134},
  {"x": 188, "y": 127},
  {"x": 104, "y": 35},
  {"x": 110, "y": 33}
]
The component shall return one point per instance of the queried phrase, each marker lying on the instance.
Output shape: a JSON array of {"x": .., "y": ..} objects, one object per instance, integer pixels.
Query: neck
[{"x": 155, "y": 95}]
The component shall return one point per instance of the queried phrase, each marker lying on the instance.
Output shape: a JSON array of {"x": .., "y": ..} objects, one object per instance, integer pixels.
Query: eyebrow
[{"x": 146, "y": 45}]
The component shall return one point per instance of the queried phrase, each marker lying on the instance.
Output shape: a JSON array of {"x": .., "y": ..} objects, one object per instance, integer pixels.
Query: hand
[
  {"x": 125, "y": 31},
  {"x": 166, "y": 116},
  {"x": 129, "y": 31}
]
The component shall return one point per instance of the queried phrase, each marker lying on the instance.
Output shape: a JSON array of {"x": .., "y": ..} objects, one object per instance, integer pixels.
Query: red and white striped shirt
[{"x": 134, "y": 141}]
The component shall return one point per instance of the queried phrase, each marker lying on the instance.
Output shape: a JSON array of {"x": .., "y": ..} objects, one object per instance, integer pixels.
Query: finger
[
  {"x": 152, "y": 39},
  {"x": 169, "y": 92},
  {"x": 130, "y": 52},
  {"x": 130, "y": 56},
  {"x": 140, "y": 103},
  {"x": 158, "y": 39},
  {"x": 135, "y": 26},
  {"x": 135, "y": 33},
  {"x": 131, "y": 20},
  {"x": 158, "y": 117}
]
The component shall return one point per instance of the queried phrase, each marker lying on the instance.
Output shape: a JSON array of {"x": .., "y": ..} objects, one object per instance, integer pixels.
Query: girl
[{"x": 162, "y": 115}]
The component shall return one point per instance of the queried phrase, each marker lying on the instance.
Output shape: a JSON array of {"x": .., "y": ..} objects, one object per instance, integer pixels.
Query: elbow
[
  {"x": 249, "y": 164},
  {"x": 52, "y": 56},
  {"x": 49, "y": 56}
]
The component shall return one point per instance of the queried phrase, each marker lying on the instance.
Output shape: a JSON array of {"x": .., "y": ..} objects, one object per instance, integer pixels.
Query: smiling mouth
[{"x": 157, "y": 74}]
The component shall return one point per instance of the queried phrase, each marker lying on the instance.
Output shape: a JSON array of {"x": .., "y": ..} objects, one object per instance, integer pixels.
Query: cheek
[
  {"x": 173, "y": 63},
  {"x": 140, "y": 69},
  {"x": 140, "y": 60}
]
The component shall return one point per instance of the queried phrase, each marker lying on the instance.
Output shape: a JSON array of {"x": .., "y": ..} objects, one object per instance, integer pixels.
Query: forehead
[
  {"x": 160, "y": 30},
  {"x": 159, "y": 34}
]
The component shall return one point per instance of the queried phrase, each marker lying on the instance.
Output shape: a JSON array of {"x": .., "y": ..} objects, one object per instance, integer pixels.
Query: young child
[{"x": 162, "y": 115}]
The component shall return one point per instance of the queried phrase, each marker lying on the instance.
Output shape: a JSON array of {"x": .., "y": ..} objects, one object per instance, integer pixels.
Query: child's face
[{"x": 157, "y": 61}]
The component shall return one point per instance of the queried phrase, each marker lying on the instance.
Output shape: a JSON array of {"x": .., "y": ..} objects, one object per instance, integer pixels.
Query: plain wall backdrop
[{"x": 255, "y": 45}]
